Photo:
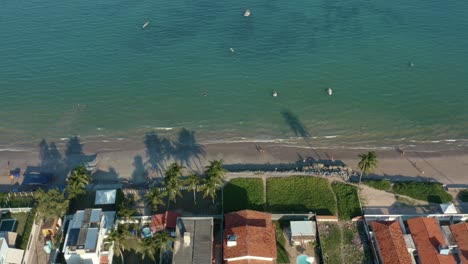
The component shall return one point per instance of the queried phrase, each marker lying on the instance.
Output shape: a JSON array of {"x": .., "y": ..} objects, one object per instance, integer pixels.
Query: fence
[{"x": 16, "y": 210}]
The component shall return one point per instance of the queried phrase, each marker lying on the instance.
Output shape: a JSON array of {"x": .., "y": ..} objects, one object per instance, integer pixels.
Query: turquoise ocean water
[{"x": 88, "y": 68}]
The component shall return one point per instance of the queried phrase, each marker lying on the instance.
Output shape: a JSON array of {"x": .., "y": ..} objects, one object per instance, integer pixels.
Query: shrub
[
  {"x": 424, "y": 191},
  {"x": 347, "y": 200},
  {"x": 463, "y": 195},
  {"x": 384, "y": 185}
]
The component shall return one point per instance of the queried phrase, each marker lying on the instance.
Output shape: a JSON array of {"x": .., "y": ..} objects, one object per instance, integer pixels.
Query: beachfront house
[
  {"x": 193, "y": 241},
  {"x": 9, "y": 254},
  {"x": 249, "y": 237},
  {"x": 302, "y": 232},
  {"x": 84, "y": 241},
  {"x": 390, "y": 243}
]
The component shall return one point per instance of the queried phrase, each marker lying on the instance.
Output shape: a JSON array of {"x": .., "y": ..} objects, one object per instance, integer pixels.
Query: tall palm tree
[
  {"x": 77, "y": 182},
  {"x": 154, "y": 198},
  {"x": 119, "y": 239},
  {"x": 174, "y": 170},
  {"x": 161, "y": 241},
  {"x": 209, "y": 188},
  {"x": 215, "y": 170},
  {"x": 172, "y": 182},
  {"x": 367, "y": 164},
  {"x": 192, "y": 182},
  {"x": 147, "y": 248}
]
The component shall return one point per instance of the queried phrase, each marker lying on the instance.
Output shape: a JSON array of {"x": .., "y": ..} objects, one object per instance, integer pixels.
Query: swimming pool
[
  {"x": 8, "y": 225},
  {"x": 302, "y": 259}
]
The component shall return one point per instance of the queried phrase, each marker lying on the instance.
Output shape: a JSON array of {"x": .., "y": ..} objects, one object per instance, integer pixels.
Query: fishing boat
[
  {"x": 145, "y": 24},
  {"x": 247, "y": 13}
]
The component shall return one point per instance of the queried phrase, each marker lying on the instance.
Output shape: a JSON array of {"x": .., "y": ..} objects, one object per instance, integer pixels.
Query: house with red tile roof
[
  {"x": 460, "y": 233},
  {"x": 430, "y": 242},
  {"x": 390, "y": 243},
  {"x": 249, "y": 238},
  {"x": 160, "y": 222}
]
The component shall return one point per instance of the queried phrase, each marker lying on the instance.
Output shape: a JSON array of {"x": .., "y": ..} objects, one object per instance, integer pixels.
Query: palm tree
[
  {"x": 77, "y": 182},
  {"x": 119, "y": 239},
  {"x": 147, "y": 247},
  {"x": 367, "y": 164},
  {"x": 50, "y": 204},
  {"x": 209, "y": 188},
  {"x": 173, "y": 183},
  {"x": 192, "y": 182},
  {"x": 154, "y": 198},
  {"x": 215, "y": 170},
  {"x": 162, "y": 240}
]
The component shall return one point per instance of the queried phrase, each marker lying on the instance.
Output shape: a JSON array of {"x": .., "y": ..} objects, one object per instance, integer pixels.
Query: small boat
[
  {"x": 274, "y": 94},
  {"x": 145, "y": 24},
  {"x": 247, "y": 13},
  {"x": 329, "y": 91},
  {"x": 232, "y": 50}
]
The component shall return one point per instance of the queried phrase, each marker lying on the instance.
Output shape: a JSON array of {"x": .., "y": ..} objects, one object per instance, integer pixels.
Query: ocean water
[{"x": 398, "y": 69}]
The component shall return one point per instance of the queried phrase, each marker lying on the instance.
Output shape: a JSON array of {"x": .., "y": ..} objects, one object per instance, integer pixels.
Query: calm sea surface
[{"x": 398, "y": 70}]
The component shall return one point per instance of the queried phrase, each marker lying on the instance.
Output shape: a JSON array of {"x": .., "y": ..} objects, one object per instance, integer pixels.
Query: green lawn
[
  {"x": 463, "y": 195},
  {"x": 347, "y": 200},
  {"x": 300, "y": 194},
  {"x": 384, "y": 185},
  {"x": 282, "y": 255},
  {"x": 24, "y": 222},
  {"x": 330, "y": 242},
  {"x": 424, "y": 191},
  {"x": 131, "y": 256},
  {"x": 244, "y": 193}
]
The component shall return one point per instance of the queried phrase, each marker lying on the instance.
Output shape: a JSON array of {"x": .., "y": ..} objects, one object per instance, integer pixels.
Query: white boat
[
  {"x": 145, "y": 24},
  {"x": 329, "y": 91},
  {"x": 275, "y": 94},
  {"x": 247, "y": 13},
  {"x": 232, "y": 50}
]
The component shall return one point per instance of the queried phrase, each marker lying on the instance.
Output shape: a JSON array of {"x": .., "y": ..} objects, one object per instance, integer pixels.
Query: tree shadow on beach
[
  {"x": 74, "y": 155},
  {"x": 187, "y": 151},
  {"x": 51, "y": 161},
  {"x": 158, "y": 151},
  {"x": 139, "y": 173},
  {"x": 102, "y": 176},
  {"x": 295, "y": 124}
]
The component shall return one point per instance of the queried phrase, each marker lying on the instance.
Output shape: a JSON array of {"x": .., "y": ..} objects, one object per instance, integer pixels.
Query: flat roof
[
  {"x": 302, "y": 228},
  {"x": 201, "y": 241},
  {"x": 14, "y": 255}
]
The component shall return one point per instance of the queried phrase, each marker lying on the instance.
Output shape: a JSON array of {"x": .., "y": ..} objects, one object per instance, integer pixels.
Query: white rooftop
[
  {"x": 105, "y": 197},
  {"x": 14, "y": 256},
  {"x": 302, "y": 228},
  {"x": 448, "y": 208}
]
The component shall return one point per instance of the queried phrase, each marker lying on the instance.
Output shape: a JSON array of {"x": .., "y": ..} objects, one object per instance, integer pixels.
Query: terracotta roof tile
[
  {"x": 427, "y": 238},
  {"x": 160, "y": 222},
  {"x": 255, "y": 234},
  {"x": 391, "y": 242},
  {"x": 460, "y": 233}
]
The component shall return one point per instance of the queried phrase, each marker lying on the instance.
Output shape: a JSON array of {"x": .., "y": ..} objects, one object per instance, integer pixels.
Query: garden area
[
  {"x": 244, "y": 193},
  {"x": 300, "y": 194},
  {"x": 347, "y": 200},
  {"x": 282, "y": 255},
  {"x": 16, "y": 200},
  {"x": 22, "y": 226},
  {"x": 344, "y": 242}
]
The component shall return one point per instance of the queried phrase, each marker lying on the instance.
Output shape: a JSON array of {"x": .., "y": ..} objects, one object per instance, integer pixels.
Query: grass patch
[
  {"x": 330, "y": 242},
  {"x": 424, "y": 191},
  {"x": 463, "y": 195},
  {"x": 347, "y": 200},
  {"x": 185, "y": 203},
  {"x": 23, "y": 239},
  {"x": 244, "y": 193},
  {"x": 384, "y": 185},
  {"x": 131, "y": 256},
  {"x": 300, "y": 194},
  {"x": 282, "y": 255}
]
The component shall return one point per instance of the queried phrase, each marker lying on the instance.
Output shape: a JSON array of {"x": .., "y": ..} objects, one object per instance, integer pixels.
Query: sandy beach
[{"x": 136, "y": 162}]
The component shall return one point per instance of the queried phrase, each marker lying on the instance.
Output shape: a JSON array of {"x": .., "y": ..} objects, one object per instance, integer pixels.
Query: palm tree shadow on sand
[
  {"x": 187, "y": 151},
  {"x": 298, "y": 128}
]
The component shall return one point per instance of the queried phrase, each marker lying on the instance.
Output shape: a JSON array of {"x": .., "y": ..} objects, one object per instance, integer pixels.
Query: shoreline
[{"x": 132, "y": 161}]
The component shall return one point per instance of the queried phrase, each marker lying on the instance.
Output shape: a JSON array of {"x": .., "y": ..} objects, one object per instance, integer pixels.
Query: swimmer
[
  {"x": 232, "y": 50},
  {"x": 275, "y": 94}
]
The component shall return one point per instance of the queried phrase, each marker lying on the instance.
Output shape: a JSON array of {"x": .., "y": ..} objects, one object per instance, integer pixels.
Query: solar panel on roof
[{"x": 73, "y": 237}]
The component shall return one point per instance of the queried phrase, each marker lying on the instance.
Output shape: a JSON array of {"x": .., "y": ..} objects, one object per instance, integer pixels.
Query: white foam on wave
[
  {"x": 330, "y": 136},
  {"x": 63, "y": 139},
  {"x": 164, "y": 128},
  {"x": 450, "y": 140},
  {"x": 12, "y": 150}
]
